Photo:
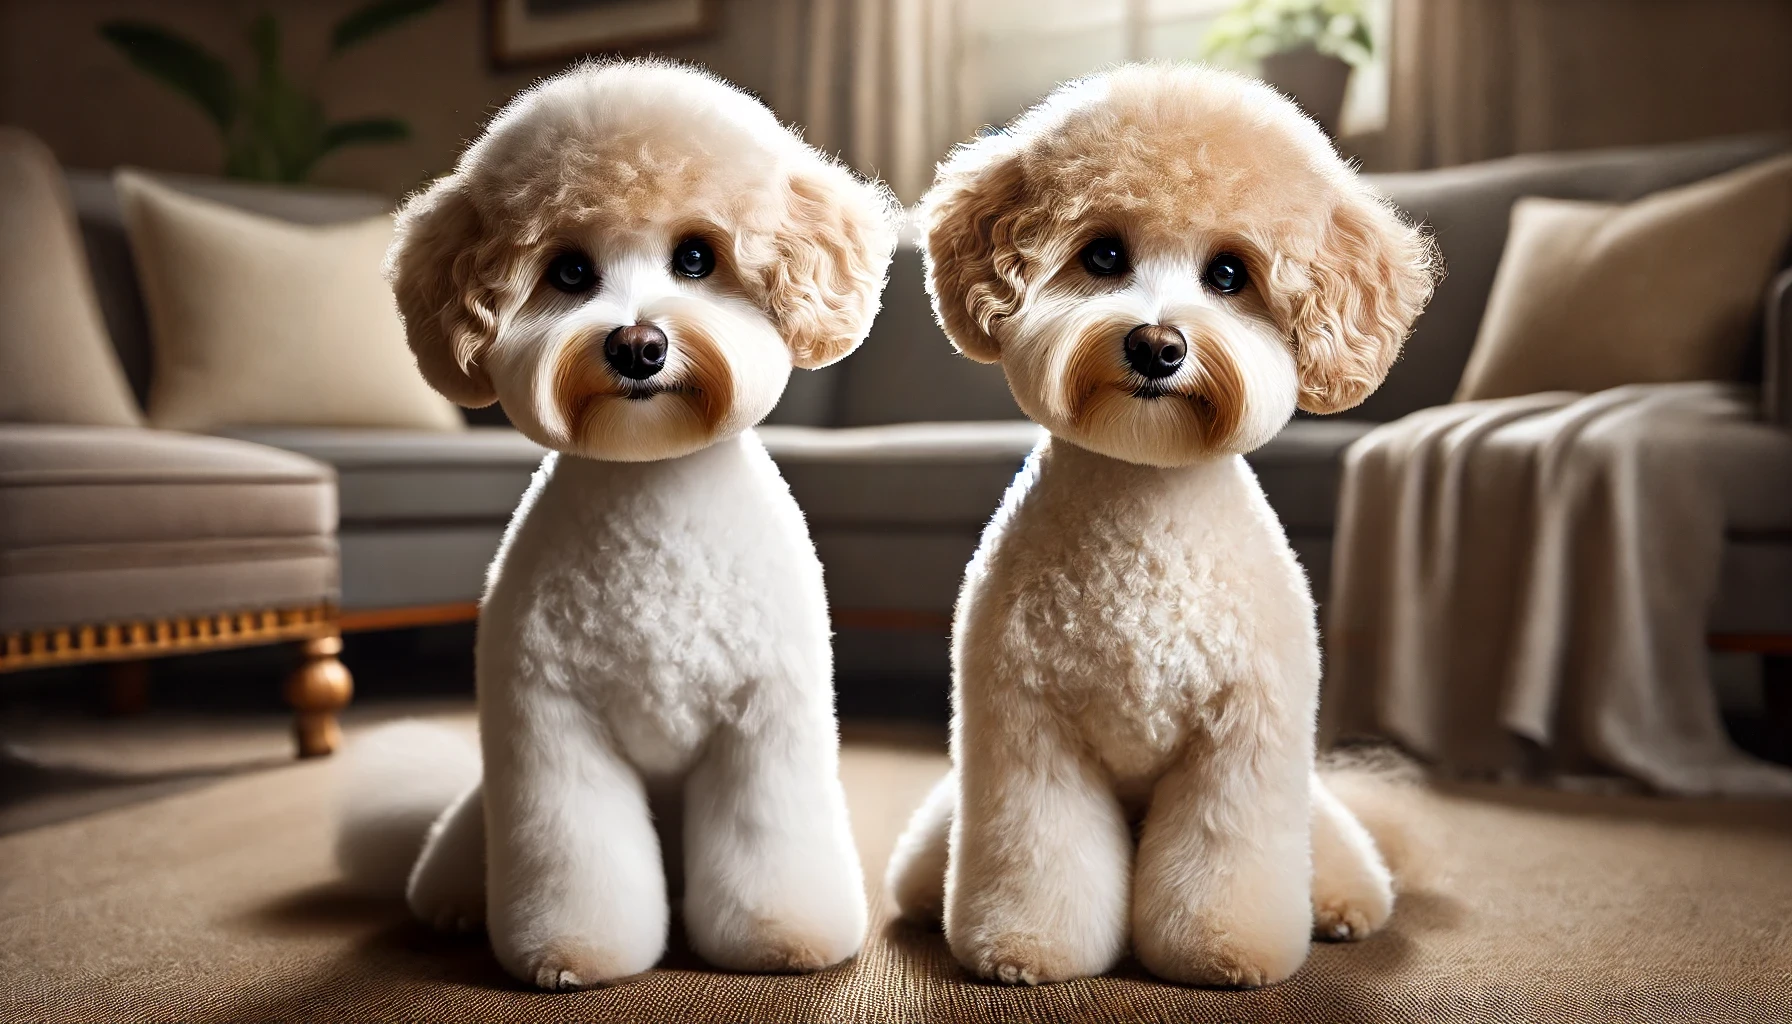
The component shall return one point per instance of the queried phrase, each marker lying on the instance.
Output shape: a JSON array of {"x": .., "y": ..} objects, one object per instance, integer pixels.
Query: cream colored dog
[
  {"x": 632, "y": 257},
  {"x": 1166, "y": 262}
]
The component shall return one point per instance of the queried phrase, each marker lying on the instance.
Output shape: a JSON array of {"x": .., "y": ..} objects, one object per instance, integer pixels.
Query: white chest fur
[
  {"x": 664, "y": 597},
  {"x": 656, "y": 710},
  {"x": 1132, "y": 599}
]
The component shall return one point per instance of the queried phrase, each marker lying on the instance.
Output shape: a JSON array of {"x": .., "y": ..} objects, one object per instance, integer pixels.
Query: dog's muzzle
[{"x": 637, "y": 351}]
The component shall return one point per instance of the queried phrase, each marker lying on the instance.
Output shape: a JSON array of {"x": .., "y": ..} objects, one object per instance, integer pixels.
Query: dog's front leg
[
  {"x": 772, "y": 879},
  {"x": 447, "y": 885},
  {"x": 576, "y": 891},
  {"x": 1037, "y": 875},
  {"x": 1353, "y": 892},
  {"x": 1223, "y": 877}
]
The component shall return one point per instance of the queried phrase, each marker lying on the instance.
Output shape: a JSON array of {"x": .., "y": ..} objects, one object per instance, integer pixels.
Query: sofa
[
  {"x": 120, "y": 543},
  {"x": 899, "y": 454}
]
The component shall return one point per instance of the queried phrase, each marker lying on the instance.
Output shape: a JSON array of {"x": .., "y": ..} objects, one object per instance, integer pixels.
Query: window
[{"x": 1016, "y": 51}]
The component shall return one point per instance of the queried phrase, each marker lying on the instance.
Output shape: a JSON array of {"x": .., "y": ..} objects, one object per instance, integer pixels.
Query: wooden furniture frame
[
  {"x": 892, "y": 619},
  {"x": 316, "y": 690},
  {"x": 321, "y": 686}
]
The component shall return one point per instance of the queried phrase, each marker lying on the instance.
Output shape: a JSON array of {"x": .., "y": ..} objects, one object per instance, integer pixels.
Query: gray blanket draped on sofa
[{"x": 1522, "y": 585}]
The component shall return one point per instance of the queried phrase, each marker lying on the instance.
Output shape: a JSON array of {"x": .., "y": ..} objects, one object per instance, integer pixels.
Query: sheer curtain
[
  {"x": 891, "y": 85},
  {"x": 1477, "y": 79},
  {"x": 878, "y": 82},
  {"x": 1456, "y": 93}
]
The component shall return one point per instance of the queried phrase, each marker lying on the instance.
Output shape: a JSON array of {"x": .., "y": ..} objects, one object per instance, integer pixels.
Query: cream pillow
[
  {"x": 1589, "y": 296},
  {"x": 259, "y": 321},
  {"x": 57, "y": 364}
]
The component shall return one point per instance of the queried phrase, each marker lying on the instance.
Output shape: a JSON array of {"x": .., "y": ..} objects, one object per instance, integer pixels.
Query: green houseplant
[
  {"x": 273, "y": 128},
  {"x": 1306, "y": 48}
]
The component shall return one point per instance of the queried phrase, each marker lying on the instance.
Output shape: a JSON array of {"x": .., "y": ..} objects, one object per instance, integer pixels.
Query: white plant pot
[{"x": 1315, "y": 80}]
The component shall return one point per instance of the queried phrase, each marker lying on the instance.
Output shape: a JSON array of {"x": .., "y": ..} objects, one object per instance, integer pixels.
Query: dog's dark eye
[
  {"x": 572, "y": 272},
  {"x": 693, "y": 258},
  {"x": 1226, "y": 274},
  {"x": 1105, "y": 257}
]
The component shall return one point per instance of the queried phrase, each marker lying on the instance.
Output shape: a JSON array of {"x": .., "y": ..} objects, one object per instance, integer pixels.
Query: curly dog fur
[
  {"x": 1136, "y": 663},
  {"x": 632, "y": 258}
]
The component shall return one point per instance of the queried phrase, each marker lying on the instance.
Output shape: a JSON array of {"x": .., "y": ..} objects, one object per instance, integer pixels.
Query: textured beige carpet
[{"x": 218, "y": 903}]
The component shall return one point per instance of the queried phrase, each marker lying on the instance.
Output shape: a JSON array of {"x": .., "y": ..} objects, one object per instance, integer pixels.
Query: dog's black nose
[
  {"x": 1155, "y": 351},
  {"x": 637, "y": 351}
]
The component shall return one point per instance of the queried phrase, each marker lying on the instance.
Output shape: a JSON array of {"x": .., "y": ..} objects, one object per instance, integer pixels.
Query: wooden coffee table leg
[{"x": 319, "y": 688}]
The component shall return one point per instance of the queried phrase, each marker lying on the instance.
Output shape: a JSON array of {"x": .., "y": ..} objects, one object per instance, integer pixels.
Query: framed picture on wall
[{"x": 531, "y": 32}]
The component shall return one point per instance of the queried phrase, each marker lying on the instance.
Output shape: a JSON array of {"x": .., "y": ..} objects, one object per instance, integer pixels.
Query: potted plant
[
  {"x": 274, "y": 129},
  {"x": 1305, "y": 48}
]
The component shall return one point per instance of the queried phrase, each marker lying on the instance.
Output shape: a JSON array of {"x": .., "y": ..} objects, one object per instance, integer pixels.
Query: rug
[{"x": 219, "y": 903}]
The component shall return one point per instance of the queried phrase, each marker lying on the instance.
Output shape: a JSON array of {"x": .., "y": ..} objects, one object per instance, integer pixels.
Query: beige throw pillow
[
  {"x": 1589, "y": 296},
  {"x": 259, "y": 321},
  {"x": 57, "y": 364}
]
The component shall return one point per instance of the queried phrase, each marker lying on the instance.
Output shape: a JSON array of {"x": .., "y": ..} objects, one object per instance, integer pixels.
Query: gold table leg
[{"x": 319, "y": 688}]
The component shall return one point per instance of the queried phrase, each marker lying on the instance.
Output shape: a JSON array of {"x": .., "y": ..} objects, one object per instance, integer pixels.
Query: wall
[{"x": 60, "y": 80}]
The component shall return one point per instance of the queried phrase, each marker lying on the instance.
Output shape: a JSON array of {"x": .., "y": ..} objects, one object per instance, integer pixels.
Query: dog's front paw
[
  {"x": 452, "y": 912},
  {"x": 1221, "y": 960},
  {"x": 1346, "y": 921},
  {"x": 1226, "y": 968},
  {"x": 776, "y": 947},
  {"x": 1017, "y": 958},
  {"x": 565, "y": 965},
  {"x": 784, "y": 951},
  {"x": 1349, "y": 909},
  {"x": 455, "y": 920}
]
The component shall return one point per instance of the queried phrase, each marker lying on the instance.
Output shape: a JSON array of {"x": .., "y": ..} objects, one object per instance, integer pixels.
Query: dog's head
[
  {"x": 1167, "y": 260},
  {"x": 632, "y": 257}
]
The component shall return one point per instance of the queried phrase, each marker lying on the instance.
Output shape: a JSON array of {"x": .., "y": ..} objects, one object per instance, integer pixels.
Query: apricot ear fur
[
  {"x": 449, "y": 315},
  {"x": 833, "y": 254},
  {"x": 1372, "y": 276},
  {"x": 971, "y": 218}
]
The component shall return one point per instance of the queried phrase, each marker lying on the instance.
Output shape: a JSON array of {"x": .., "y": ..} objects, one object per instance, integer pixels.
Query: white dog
[
  {"x": 1165, "y": 261},
  {"x": 631, "y": 258}
]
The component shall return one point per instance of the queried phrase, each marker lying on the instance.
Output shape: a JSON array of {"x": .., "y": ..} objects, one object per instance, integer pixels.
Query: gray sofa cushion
[
  {"x": 1469, "y": 208},
  {"x": 102, "y": 524},
  {"x": 1753, "y": 470},
  {"x": 904, "y": 476},
  {"x": 100, "y": 485},
  {"x": 399, "y": 477},
  {"x": 883, "y": 570},
  {"x": 953, "y": 474},
  {"x": 418, "y": 565},
  {"x": 907, "y": 372},
  {"x": 897, "y": 510},
  {"x": 1754, "y": 592},
  {"x": 144, "y": 583},
  {"x": 1300, "y": 470}
]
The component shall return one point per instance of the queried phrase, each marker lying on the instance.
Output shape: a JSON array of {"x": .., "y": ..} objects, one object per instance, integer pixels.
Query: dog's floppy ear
[
  {"x": 971, "y": 219},
  {"x": 1367, "y": 283},
  {"x": 833, "y": 253},
  {"x": 449, "y": 315}
]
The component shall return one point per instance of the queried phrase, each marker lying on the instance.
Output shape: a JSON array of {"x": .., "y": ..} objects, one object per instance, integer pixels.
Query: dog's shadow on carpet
[
  {"x": 1343, "y": 983},
  {"x": 368, "y": 958},
  {"x": 403, "y": 949}
]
